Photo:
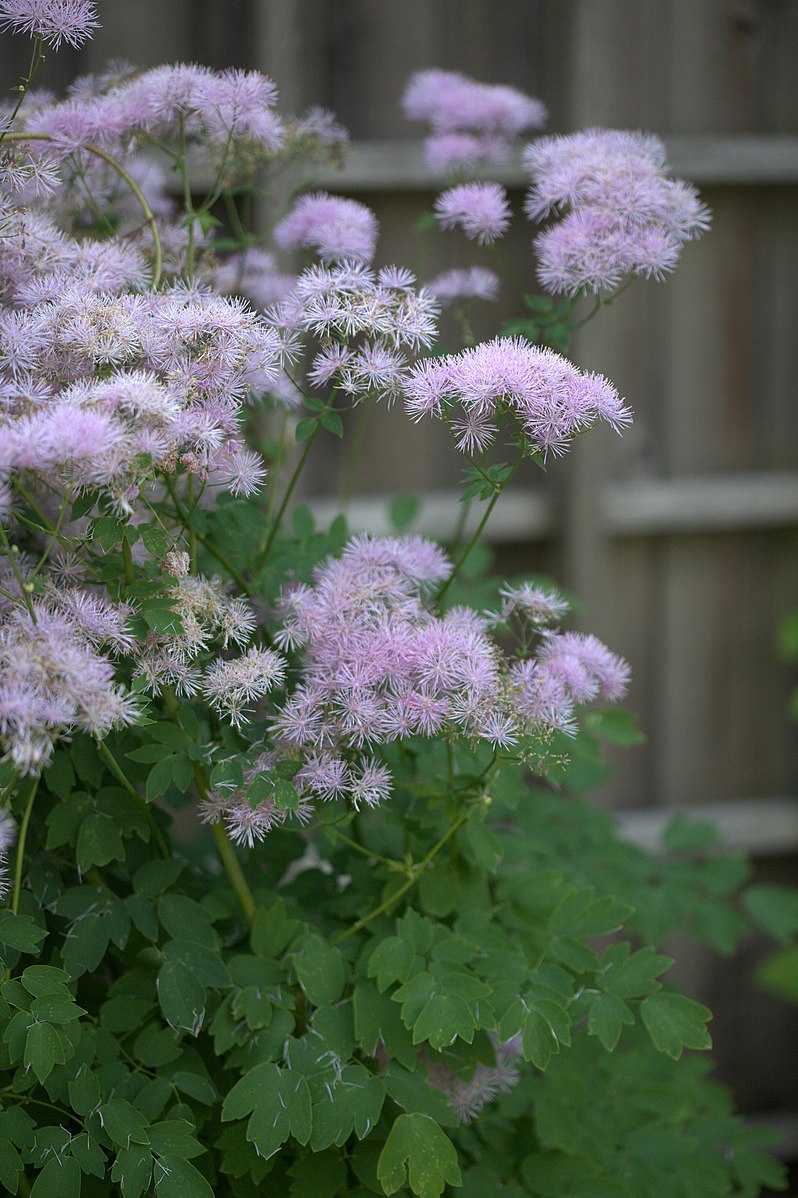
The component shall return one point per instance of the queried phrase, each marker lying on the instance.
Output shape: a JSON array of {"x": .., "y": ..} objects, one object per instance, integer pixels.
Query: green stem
[
  {"x": 227, "y": 853},
  {"x": 36, "y": 60},
  {"x": 366, "y": 852},
  {"x": 183, "y": 517},
  {"x": 354, "y": 450},
  {"x": 128, "y": 786},
  {"x": 12, "y": 551},
  {"x": 479, "y": 530},
  {"x": 127, "y": 560},
  {"x": 386, "y": 904},
  {"x": 264, "y": 553},
  {"x": 23, "y": 834},
  {"x": 99, "y": 152}
]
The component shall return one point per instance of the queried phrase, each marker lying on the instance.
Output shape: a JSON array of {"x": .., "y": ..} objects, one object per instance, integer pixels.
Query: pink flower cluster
[
  {"x": 52, "y": 679},
  {"x": 371, "y": 325},
  {"x": 471, "y": 122},
  {"x": 337, "y": 228},
  {"x": 248, "y": 824},
  {"x": 480, "y": 209},
  {"x": 624, "y": 215},
  {"x": 550, "y": 398},
  {"x": 471, "y": 282},
  {"x": 54, "y": 21},
  {"x": 379, "y": 665},
  {"x": 228, "y": 109},
  {"x": 99, "y": 389}
]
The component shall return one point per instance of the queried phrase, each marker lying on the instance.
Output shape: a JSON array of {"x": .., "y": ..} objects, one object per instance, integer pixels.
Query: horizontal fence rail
[
  {"x": 397, "y": 164},
  {"x": 638, "y": 507}
]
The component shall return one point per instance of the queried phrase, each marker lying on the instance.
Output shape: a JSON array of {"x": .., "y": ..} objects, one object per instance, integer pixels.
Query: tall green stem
[
  {"x": 264, "y": 553},
  {"x": 36, "y": 60},
  {"x": 418, "y": 870},
  {"x": 227, "y": 853},
  {"x": 23, "y": 834},
  {"x": 478, "y": 533},
  {"x": 128, "y": 786}
]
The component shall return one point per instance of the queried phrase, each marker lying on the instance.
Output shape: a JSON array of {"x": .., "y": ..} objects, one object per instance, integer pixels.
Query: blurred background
[{"x": 680, "y": 539}]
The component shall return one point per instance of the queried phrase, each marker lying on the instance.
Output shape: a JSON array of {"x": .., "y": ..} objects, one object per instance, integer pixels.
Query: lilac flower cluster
[
  {"x": 206, "y": 616},
  {"x": 230, "y": 110},
  {"x": 100, "y": 389},
  {"x": 53, "y": 681},
  {"x": 337, "y": 228},
  {"x": 624, "y": 216},
  {"x": 550, "y": 398},
  {"x": 471, "y": 122},
  {"x": 54, "y": 21},
  {"x": 471, "y": 282},
  {"x": 379, "y": 665},
  {"x": 371, "y": 324},
  {"x": 480, "y": 209},
  {"x": 246, "y": 823}
]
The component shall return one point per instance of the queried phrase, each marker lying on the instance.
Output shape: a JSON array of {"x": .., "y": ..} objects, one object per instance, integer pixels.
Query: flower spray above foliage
[{"x": 372, "y": 955}]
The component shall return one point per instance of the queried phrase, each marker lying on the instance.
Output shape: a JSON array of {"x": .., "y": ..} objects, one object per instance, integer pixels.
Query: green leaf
[
  {"x": 55, "y": 1009},
  {"x": 615, "y": 725},
  {"x": 84, "y": 1091},
  {"x": 272, "y": 930},
  {"x": 89, "y": 1155},
  {"x": 485, "y": 847},
  {"x": 186, "y": 920},
  {"x": 10, "y": 1166},
  {"x": 302, "y": 521},
  {"x": 160, "y": 777},
  {"x": 305, "y": 429},
  {"x": 608, "y": 1014},
  {"x": 123, "y": 1123},
  {"x": 684, "y": 835},
  {"x": 279, "y": 1100},
  {"x": 98, "y": 842},
  {"x": 60, "y": 1178},
  {"x": 775, "y": 908},
  {"x": 332, "y": 422},
  {"x": 286, "y": 796},
  {"x": 43, "y": 1050},
  {"x": 227, "y": 775},
  {"x": 352, "y": 1102},
  {"x": 133, "y": 1169},
  {"x": 152, "y": 878},
  {"x": 418, "y": 1152},
  {"x": 582, "y": 914},
  {"x": 318, "y": 1176},
  {"x": 321, "y": 971},
  {"x": 403, "y": 510},
  {"x": 206, "y": 964},
  {"x": 155, "y": 541},
  {"x": 176, "y": 1178},
  {"x": 20, "y": 932},
  {"x": 630, "y": 976},
  {"x": 414, "y": 1094},
  {"x": 545, "y": 1027},
  {"x": 45, "y": 979},
  {"x": 778, "y": 973},
  {"x": 173, "y": 1137},
  {"x": 181, "y": 996},
  {"x": 391, "y": 961},
  {"x": 675, "y": 1022},
  {"x": 539, "y": 303},
  {"x": 161, "y": 617}
]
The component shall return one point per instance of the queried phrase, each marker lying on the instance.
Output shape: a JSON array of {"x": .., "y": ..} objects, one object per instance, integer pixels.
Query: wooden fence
[{"x": 681, "y": 539}]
